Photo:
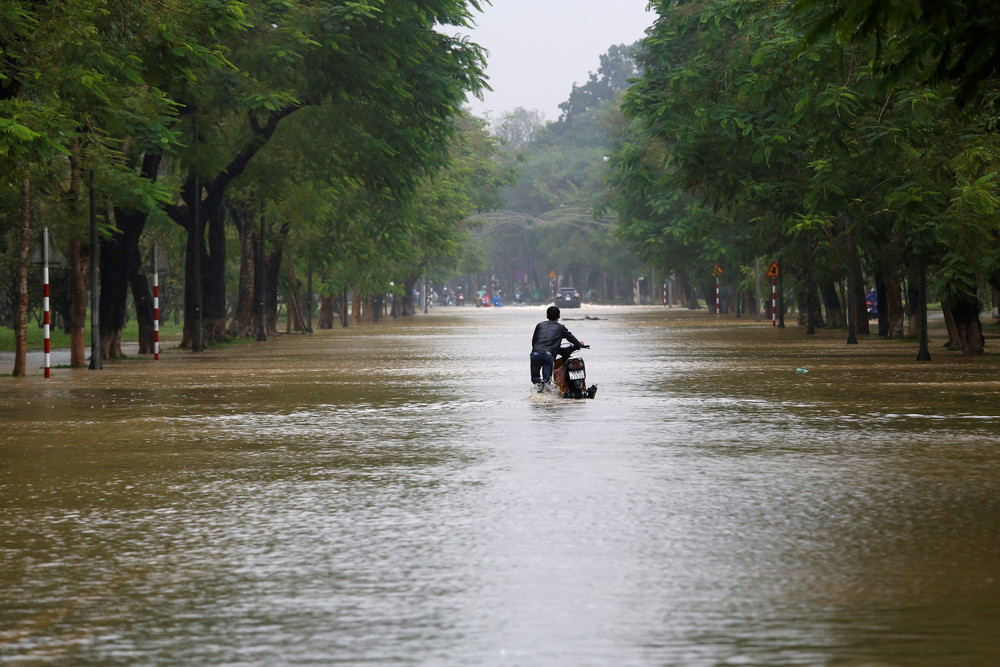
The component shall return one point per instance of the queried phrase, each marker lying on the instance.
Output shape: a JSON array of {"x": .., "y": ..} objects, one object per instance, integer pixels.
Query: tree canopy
[
  {"x": 752, "y": 136},
  {"x": 927, "y": 41},
  {"x": 552, "y": 219},
  {"x": 189, "y": 112}
]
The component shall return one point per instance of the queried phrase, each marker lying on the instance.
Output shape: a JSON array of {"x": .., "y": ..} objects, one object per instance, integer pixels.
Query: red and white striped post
[
  {"x": 45, "y": 300},
  {"x": 772, "y": 273},
  {"x": 156, "y": 307},
  {"x": 717, "y": 272},
  {"x": 774, "y": 301}
]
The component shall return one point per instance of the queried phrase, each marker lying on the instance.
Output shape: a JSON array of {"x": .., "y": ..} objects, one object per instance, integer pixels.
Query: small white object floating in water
[{"x": 801, "y": 370}]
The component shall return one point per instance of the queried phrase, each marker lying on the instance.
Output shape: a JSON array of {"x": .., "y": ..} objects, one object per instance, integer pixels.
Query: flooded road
[{"x": 391, "y": 494}]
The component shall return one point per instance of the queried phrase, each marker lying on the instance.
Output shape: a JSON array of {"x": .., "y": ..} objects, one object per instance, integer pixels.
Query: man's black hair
[{"x": 552, "y": 313}]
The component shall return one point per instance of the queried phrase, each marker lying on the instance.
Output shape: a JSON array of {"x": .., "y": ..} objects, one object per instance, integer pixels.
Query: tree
[
  {"x": 923, "y": 41},
  {"x": 381, "y": 69},
  {"x": 617, "y": 70},
  {"x": 518, "y": 128},
  {"x": 551, "y": 220},
  {"x": 800, "y": 149},
  {"x": 69, "y": 83}
]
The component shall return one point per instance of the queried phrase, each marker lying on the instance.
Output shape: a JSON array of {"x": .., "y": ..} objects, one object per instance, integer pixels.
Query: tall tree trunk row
[{"x": 21, "y": 316}]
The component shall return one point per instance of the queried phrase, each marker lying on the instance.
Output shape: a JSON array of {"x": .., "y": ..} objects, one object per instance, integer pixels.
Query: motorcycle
[
  {"x": 461, "y": 299},
  {"x": 569, "y": 374}
]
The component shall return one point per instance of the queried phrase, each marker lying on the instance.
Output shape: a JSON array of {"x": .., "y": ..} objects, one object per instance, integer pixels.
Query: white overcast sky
[{"x": 539, "y": 48}]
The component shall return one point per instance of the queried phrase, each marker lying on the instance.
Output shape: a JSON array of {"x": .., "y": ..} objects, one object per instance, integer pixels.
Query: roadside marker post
[
  {"x": 45, "y": 301},
  {"x": 156, "y": 306},
  {"x": 717, "y": 271},
  {"x": 772, "y": 273},
  {"x": 160, "y": 264}
]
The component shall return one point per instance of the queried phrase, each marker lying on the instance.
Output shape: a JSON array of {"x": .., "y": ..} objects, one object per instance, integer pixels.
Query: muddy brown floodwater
[{"x": 392, "y": 494}]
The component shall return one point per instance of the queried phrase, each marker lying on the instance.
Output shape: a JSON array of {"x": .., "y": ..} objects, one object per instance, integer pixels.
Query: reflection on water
[{"x": 391, "y": 495}]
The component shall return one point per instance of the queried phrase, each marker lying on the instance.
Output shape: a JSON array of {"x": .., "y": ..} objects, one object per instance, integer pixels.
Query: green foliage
[
  {"x": 617, "y": 70},
  {"x": 747, "y": 139},
  {"x": 201, "y": 91},
  {"x": 552, "y": 219},
  {"x": 358, "y": 234},
  {"x": 917, "y": 41}
]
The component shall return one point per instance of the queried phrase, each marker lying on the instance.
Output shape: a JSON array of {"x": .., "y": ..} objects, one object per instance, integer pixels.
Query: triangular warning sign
[{"x": 772, "y": 271}]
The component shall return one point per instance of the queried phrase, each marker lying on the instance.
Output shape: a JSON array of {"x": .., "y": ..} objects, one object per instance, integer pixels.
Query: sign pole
[
  {"x": 156, "y": 305},
  {"x": 45, "y": 300},
  {"x": 774, "y": 302},
  {"x": 772, "y": 273},
  {"x": 717, "y": 271}
]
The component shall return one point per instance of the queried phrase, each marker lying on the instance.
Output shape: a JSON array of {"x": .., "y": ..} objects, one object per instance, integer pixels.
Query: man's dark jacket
[{"x": 548, "y": 337}]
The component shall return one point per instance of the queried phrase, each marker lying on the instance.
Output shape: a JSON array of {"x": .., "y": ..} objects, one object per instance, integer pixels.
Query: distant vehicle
[{"x": 568, "y": 297}]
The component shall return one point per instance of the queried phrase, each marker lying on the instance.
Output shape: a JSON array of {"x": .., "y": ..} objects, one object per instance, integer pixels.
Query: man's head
[{"x": 552, "y": 313}]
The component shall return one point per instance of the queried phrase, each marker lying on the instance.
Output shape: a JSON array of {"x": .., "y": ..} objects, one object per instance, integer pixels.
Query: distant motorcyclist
[
  {"x": 872, "y": 302},
  {"x": 546, "y": 344}
]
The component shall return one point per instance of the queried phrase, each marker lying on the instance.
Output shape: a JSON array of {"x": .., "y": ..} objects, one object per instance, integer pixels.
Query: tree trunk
[
  {"x": 861, "y": 307},
  {"x": 812, "y": 304},
  {"x": 212, "y": 263},
  {"x": 244, "y": 322},
  {"x": 834, "y": 311},
  {"x": 688, "y": 292},
  {"x": 326, "y": 312},
  {"x": 21, "y": 314},
  {"x": 883, "y": 314},
  {"x": 212, "y": 268},
  {"x": 120, "y": 270},
  {"x": 215, "y": 270},
  {"x": 120, "y": 261},
  {"x": 408, "y": 305},
  {"x": 356, "y": 306},
  {"x": 193, "y": 246},
  {"x": 201, "y": 265},
  {"x": 949, "y": 323},
  {"x": 751, "y": 306},
  {"x": 143, "y": 299},
  {"x": 913, "y": 301},
  {"x": 923, "y": 351},
  {"x": 296, "y": 322},
  {"x": 272, "y": 265},
  {"x": 78, "y": 268},
  {"x": 893, "y": 308},
  {"x": 114, "y": 293},
  {"x": 970, "y": 329},
  {"x": 852, "y": 310}
]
